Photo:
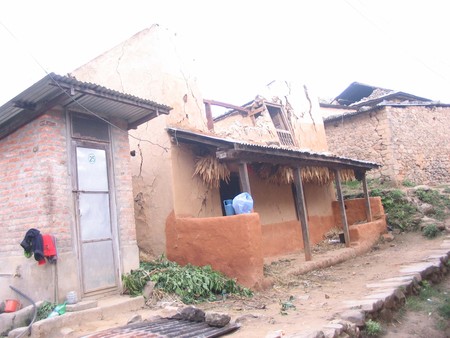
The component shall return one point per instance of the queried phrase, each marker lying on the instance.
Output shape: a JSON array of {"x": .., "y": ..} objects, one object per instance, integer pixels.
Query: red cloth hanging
[{"x": 49, "y": 246}]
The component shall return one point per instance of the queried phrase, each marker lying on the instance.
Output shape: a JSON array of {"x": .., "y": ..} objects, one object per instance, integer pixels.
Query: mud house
[
  {"x": 406, "y": 133},
  {"x": 65, "y": 171},
  {"x": 179, "y": 211}
]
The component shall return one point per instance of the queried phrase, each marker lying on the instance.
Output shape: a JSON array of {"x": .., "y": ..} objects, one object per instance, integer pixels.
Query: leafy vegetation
[
  {"x": 438, "y": 201},
  {"x": 44, "y": 310},
  {"x": 431, "y": 231},
  {"x": 286, "y": 305},
  {"x": 372, "y": 328},
  {"x": 407, "y": 183},
  {"x": 191, "y": 283},
  {"x": 400, "y": 212}
]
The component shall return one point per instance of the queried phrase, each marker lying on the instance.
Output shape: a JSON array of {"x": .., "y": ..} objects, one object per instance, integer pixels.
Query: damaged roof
[
  {"x": 55, "y": 90},
  {"x": 230, "y": 149},
  {"x": 358, "y": 94}
]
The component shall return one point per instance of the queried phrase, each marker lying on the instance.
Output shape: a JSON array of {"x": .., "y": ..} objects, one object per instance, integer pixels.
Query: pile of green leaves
[
  {"x": 191, "y": 283},
  {"x": 44, "y": 310},
  {"x": 399, "y": 210},
  {"x": 438, "y": 201}
]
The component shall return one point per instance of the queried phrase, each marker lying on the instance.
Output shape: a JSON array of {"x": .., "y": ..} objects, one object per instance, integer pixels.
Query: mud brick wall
[
  {"x": 35, "y": 190},
  {"x": 412, "y": 143}
]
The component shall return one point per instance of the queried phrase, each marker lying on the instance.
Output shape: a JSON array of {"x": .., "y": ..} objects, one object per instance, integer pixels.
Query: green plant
[
  {"x": 286, "y": 305},
  {"x": 400, "y": 212},
  {"x": 432, "y": 299},
  {"x": 444, "y": 309},
  {"x": 438, "y": 201},
  {"x": 372, "y": 328},
  {"x": 44, "y": 310},
  {"x": 407, "y": 183},
  {"x": 430, "y": 231},
  {"x": 191, "y": 283}
]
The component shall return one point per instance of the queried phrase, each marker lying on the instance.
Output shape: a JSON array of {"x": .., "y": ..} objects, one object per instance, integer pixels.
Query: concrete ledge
[{"x": 107, "y": 308}]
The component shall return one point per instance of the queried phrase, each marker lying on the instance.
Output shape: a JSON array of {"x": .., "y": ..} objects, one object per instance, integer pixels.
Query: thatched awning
[{"x": 234, "y": 150}]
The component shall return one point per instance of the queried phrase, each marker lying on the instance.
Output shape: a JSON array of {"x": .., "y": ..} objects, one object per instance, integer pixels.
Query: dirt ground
[
  {"x": 298, "y": 303},
  {"x": 417, "y": 324}
]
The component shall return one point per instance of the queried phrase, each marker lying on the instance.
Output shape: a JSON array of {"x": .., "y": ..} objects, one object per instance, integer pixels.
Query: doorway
[
  {"x": 96, "y": 238},
  {"x": 229, "y": 190}
]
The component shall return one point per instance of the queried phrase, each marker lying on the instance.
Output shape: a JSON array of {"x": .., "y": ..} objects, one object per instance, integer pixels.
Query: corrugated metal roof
[
  {"x": 287, "y": 153},
  {"x": 167, "y": 328},
  {"x": 80, "y": 96}
]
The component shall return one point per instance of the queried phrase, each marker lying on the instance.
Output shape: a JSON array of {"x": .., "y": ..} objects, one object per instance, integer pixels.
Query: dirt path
[
  {"x": 319, "y": 294},
  {"x": 308, "y": 301},
  {"x": 423, "y": 322}
]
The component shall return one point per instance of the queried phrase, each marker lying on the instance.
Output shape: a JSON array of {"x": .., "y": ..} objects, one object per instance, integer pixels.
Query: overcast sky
[{"x": 240, "y": 46}]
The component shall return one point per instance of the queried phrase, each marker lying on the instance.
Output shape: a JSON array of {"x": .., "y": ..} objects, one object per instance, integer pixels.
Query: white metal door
[{"x": 95, "y": 230}]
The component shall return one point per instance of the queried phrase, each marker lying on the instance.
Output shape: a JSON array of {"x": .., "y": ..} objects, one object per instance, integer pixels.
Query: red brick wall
[
  {"x": 35, "y": 190},
  {"x": 123, "y": 184}
]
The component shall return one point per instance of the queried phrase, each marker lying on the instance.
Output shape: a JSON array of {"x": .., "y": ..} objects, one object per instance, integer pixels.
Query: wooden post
[
  {"x": 209, "y": 118},
  {"x": 243, "y": 176},
  {"x": 301, "y": 211},
  {"x": 337, "y": 179},
  {"x": 367, "y": 199}
]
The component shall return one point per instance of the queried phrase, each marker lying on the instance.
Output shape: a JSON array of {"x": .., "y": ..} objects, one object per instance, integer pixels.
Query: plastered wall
[
  {"x": 229, "y": 244},
  {"x": 152, "y": 64}
]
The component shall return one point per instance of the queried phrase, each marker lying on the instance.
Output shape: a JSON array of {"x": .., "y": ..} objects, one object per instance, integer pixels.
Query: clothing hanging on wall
[{"x": 41, "y": 246}]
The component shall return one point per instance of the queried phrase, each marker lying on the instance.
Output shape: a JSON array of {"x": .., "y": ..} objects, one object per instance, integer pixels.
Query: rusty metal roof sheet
[
  {"x": 277, "y": 154},
  {"x": 55, "y": 90},
  {"x": 166, "y": 328}
]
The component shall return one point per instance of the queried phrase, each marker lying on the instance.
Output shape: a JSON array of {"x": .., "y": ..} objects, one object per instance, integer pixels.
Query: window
[
  {"x": 281, "y": 125},
  {"x": 89, "y": 127}
]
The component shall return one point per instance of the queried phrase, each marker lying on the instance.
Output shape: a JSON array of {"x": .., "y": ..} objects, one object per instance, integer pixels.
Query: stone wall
[
  {"x": 421, "y": 144},
  {"x": 412, "y": 143}
]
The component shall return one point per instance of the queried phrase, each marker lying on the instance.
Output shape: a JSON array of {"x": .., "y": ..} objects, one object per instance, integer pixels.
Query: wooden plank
[
  {"x": 209, "y": 118},
  {"x": 367, "y": 199},
  {"x": 301, "y": 211},
  {"x": 225, "y": 105},
  {"x": 243, "y": 176},
  {"x": 337, "y": 179}
]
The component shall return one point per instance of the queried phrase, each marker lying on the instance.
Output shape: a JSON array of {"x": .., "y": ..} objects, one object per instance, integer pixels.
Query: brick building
[
  {"x": 407, "y": 134},
  {"x": 65, "y": 171}
]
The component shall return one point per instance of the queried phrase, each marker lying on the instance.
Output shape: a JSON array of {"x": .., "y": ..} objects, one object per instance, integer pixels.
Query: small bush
[
  {"x": 438, "y": 201},
  {"x": 430, "y": 231},
  {"x": 373, "y": 328},
  {"x": 407, "y": 183},
  {"x": 400, "y": 212}
]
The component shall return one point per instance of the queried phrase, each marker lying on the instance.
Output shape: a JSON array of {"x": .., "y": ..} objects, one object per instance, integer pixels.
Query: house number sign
[{"x": 91, "y": 158}]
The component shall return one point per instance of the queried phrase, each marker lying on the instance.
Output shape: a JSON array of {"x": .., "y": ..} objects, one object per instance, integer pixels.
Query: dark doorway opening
[{"x": 229, "y": 190}]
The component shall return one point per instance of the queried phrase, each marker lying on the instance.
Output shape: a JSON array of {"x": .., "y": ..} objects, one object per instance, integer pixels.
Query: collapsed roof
[{"x": 358, "y": 94}]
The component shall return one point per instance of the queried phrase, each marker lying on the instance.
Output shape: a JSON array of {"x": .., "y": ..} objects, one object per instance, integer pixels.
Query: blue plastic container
[{"x": 228, "y": 205}]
